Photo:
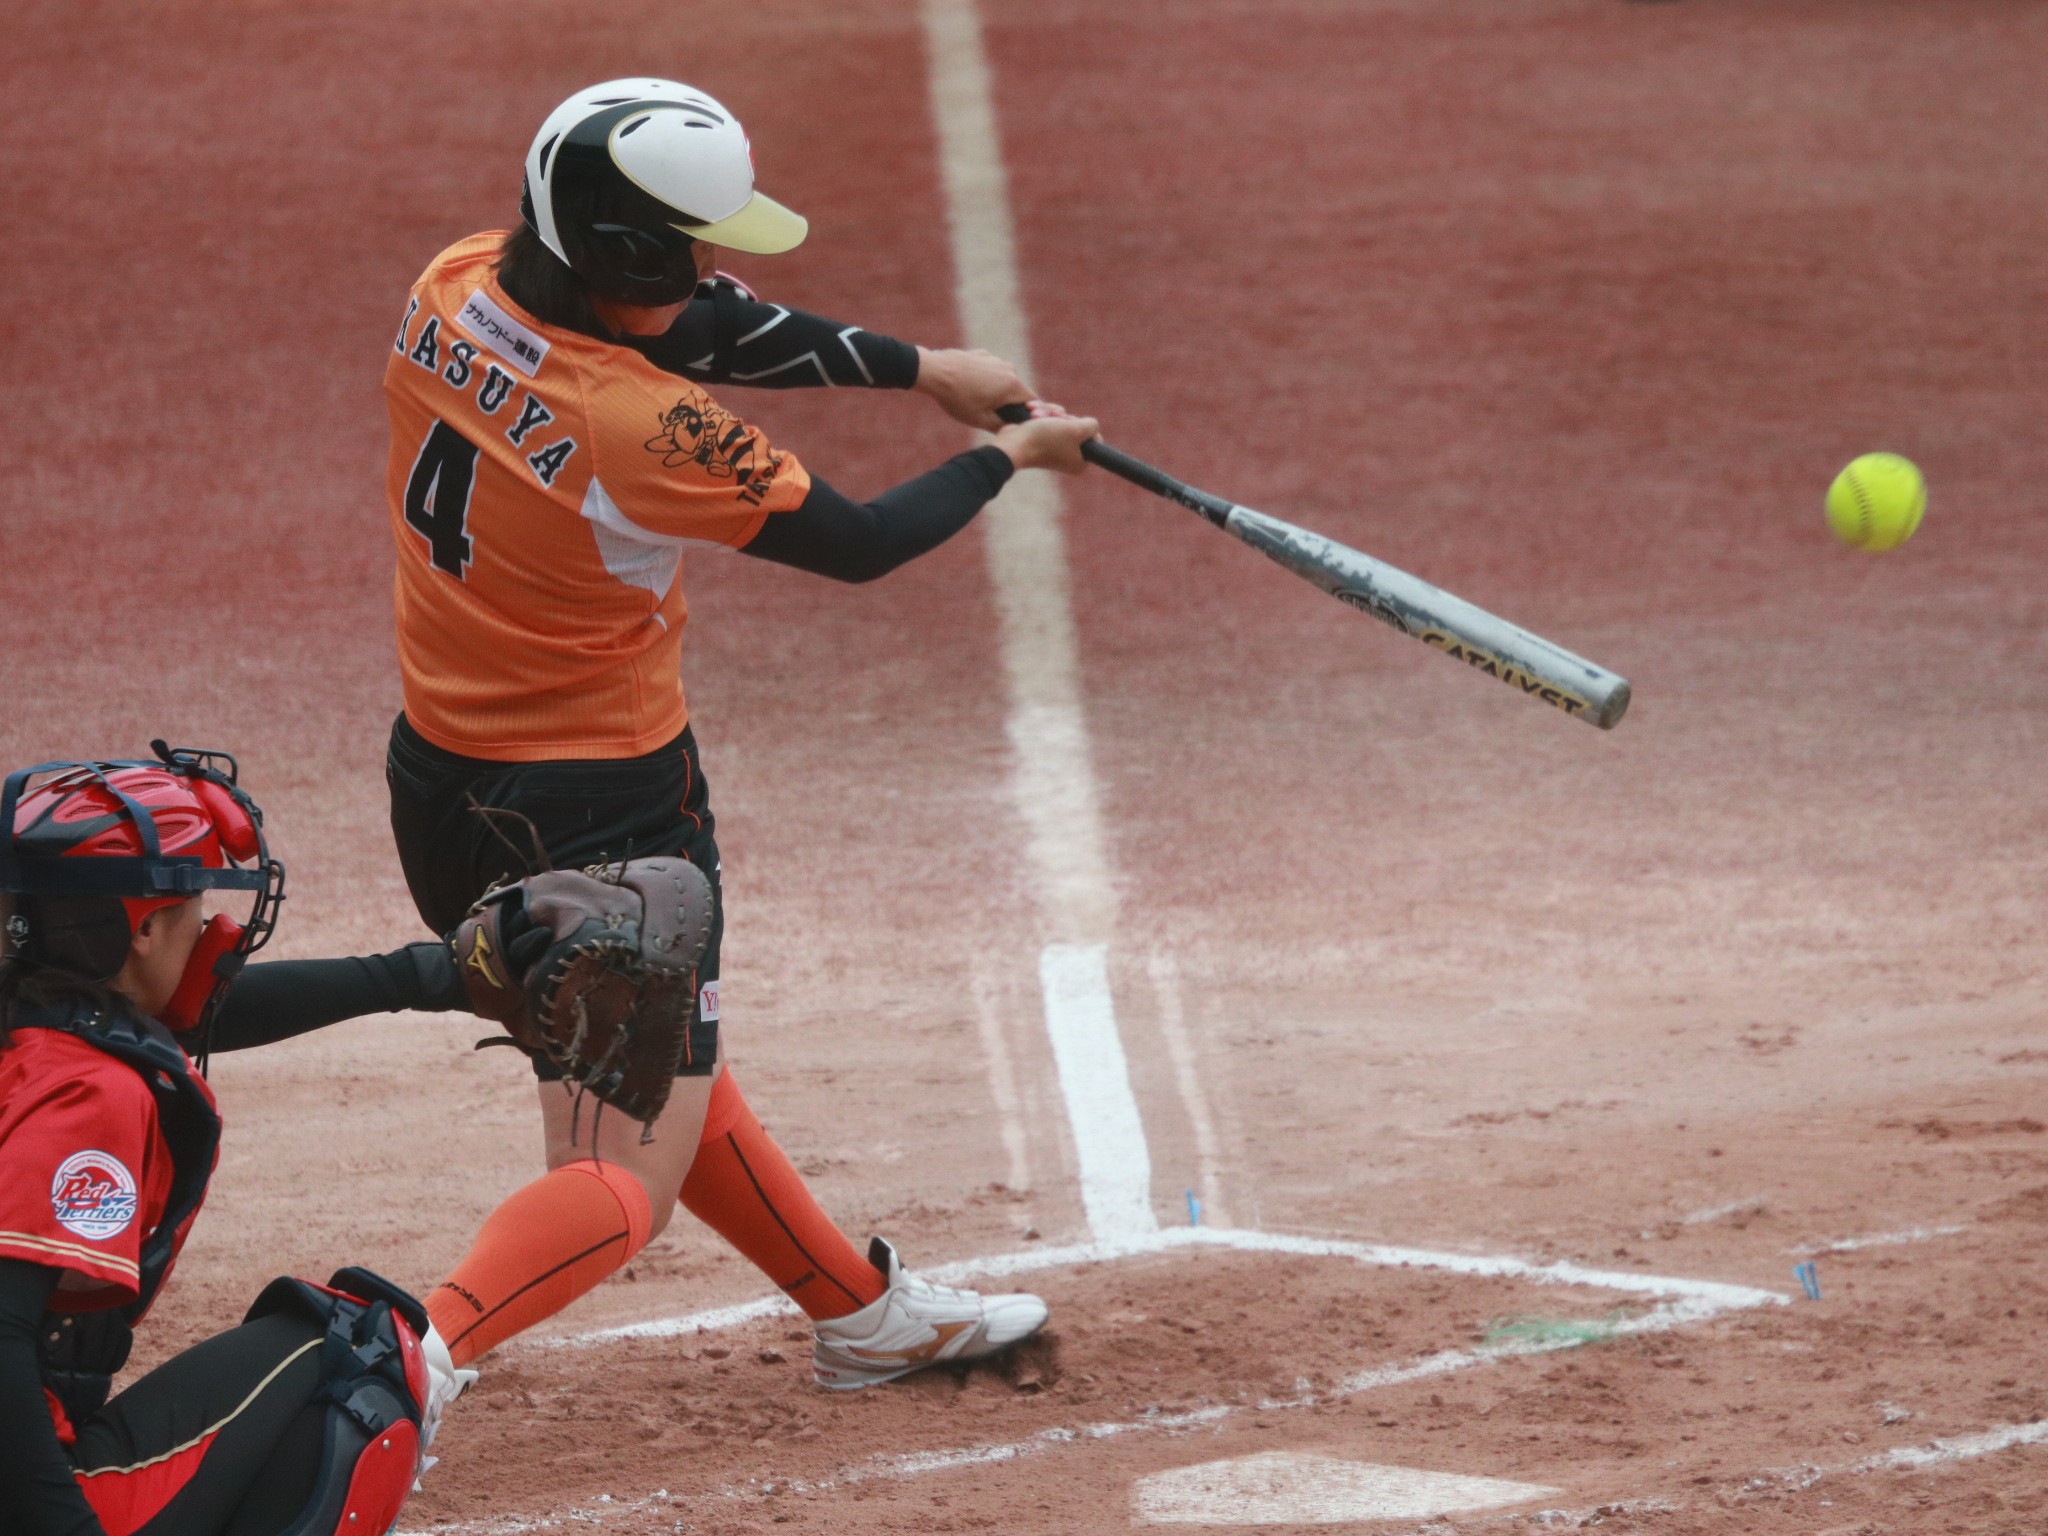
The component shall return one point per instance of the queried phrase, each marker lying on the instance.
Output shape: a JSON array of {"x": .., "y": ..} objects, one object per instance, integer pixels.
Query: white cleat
[
  {"x": 914, "y": 1324},
  {"x": 446, "y": 1381}
]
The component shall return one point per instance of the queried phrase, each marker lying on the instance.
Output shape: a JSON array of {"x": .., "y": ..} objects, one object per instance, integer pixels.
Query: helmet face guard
[{"x": 82, "y": 903}]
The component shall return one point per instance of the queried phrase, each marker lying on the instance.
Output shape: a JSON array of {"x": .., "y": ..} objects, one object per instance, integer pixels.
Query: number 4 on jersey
[{"x": 437, "y": 497}]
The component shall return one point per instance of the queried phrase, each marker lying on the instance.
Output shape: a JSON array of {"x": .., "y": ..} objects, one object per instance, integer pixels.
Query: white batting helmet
[{"x": 623, "y": 176}]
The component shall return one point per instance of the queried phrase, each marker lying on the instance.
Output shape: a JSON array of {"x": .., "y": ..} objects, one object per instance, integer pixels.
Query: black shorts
[{"x": 586, "y": 811}]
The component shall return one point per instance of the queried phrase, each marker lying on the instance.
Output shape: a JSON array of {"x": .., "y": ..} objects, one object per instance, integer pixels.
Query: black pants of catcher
[
  {"x": 584, "y": 811},
  {"x": 222, "y": 1440}
]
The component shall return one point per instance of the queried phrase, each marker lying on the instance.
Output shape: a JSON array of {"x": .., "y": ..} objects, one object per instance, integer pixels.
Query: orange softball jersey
[{"x": 543, "y": 486}]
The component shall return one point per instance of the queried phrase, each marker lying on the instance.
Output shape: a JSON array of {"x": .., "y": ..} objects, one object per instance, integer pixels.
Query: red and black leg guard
[{"x": 373, "y": 1379}]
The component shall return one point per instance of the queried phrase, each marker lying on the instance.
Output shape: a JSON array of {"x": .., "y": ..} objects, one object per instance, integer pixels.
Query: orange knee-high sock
[
  {"x": 744, "y": 1189},
  {"x": 540, "y": 1250}
]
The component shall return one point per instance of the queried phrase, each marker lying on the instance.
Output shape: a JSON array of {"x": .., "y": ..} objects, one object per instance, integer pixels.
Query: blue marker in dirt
[
  {"x": 1194, "y": 1210},
  {"x": 1809, "y": 1279}
]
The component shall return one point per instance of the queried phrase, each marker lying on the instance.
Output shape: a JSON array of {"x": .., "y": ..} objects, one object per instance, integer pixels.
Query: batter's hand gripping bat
[{"x": 1449, "y": 624}]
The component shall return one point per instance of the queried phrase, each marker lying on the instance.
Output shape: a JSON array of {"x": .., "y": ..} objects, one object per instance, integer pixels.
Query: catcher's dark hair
[
  {"x": 25, "y": 985},
  {"x": 540, "y": 282}
]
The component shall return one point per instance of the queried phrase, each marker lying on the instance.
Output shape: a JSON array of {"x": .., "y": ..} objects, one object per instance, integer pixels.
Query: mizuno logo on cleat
[{"x": 942, "y": 1335}]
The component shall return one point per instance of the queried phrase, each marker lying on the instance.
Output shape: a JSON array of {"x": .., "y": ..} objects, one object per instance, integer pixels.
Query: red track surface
[{"x": 1571, "y": 306}]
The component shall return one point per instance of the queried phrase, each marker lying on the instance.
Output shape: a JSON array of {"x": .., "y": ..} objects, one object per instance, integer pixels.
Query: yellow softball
[{"x": 1877, "y": 502}]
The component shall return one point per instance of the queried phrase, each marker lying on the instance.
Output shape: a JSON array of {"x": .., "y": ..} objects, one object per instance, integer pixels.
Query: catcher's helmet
[
  {"x": 93, "y": 848},
  {"x": 624, "y": 175}
]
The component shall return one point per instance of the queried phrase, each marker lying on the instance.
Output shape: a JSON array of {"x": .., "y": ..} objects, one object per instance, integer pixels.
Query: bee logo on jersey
[
  {"x": 700, "y": 431},
  {"x": 93, "y": 1195}
]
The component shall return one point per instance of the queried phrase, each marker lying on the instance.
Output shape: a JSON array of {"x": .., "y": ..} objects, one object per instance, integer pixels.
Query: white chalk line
[
  {"x": 1054, "y": 783},
  {"x": 598, "y": 1511},
  {"x": 1908, "y": 1458},
  {"x": 1911, "y": 1458},
  {"x": 1053, "y": 778},
  {"x": 1714, "y": 1295},
  {"x": 1715, "y": 1213},
  {"x": 1002, "y": 1081},
  {"x": 1180, "y": 1050},
  {"x": 1572, "y": 1519},
  {"x": 1880, "y": 1240},
  {"x": 1957, "y": 1448},
  {"x": 1095, "y": 1080}
]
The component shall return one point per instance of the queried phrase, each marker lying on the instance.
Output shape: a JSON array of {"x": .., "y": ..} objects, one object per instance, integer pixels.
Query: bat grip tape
[{"x": 1137, "y": 472}]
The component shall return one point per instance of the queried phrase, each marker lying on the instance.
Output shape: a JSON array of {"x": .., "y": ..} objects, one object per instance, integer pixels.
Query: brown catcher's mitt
[{"x": 594, "y": 970}]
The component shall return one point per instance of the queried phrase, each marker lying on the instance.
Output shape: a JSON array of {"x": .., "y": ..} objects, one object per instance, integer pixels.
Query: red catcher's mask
[{"x": 93, "y": 848}]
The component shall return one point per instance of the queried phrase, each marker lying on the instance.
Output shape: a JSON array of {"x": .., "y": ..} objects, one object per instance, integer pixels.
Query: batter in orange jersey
[
  {"x": 557, "y": 479},
  {"x": 554, "y": 457}
]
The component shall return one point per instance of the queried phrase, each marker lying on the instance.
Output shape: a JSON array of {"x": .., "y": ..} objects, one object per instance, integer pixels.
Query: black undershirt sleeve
[
  {"x": 831, "y": 535},
  {"x": 283, "y": 998},
  {"x": 41, "y": 1496},
  {"x": 727, "y": 336}
]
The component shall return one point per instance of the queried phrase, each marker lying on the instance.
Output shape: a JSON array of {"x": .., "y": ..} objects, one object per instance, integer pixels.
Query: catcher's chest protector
[
  {"x": 373, "y": 1379},
  {"x": 80, "y": 1352}
]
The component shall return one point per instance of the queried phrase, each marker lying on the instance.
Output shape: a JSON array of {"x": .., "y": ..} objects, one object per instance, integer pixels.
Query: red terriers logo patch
[{"x": 93, "y": 1195}]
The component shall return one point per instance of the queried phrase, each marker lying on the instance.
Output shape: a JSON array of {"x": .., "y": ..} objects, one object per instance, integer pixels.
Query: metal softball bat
[{"x": 1461, "y": 630}]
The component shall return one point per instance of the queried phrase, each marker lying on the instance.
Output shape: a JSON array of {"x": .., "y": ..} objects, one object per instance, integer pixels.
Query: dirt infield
[{"x": 1572, "y": 306}]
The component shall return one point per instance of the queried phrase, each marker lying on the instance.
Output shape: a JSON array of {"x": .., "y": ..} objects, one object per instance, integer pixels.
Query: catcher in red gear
[{"x": 312, "y": 1417}]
